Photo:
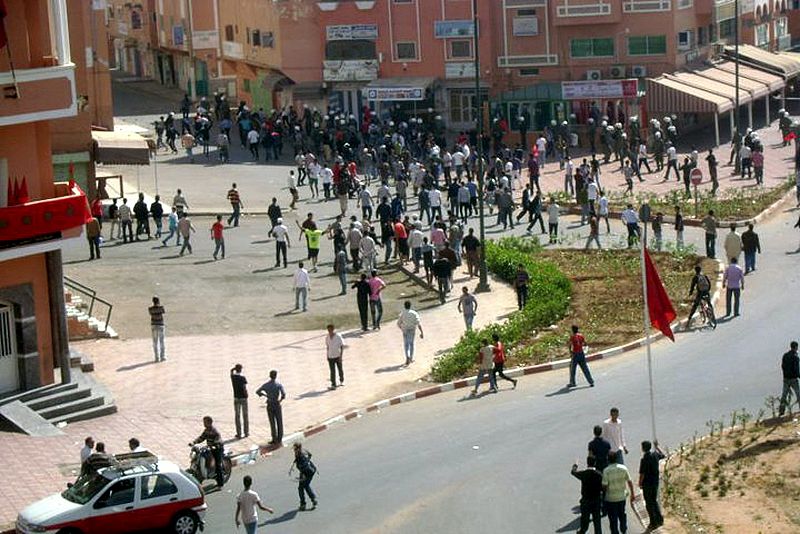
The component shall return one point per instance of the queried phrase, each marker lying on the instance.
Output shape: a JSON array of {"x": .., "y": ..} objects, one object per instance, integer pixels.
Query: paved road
[{"x": 500, "y": 463}]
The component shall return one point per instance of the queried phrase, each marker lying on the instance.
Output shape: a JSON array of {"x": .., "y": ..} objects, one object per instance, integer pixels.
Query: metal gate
[{"x": 9, "y": 368}]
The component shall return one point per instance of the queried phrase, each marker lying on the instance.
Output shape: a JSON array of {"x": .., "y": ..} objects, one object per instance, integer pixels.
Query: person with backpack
[
  {"x": 307, "y": 469},
  {"x": 702, "y": 284}
]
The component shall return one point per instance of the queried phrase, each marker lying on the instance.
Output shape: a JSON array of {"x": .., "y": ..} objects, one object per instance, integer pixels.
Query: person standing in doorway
[
  {"x": 733, "y": 283},
  {"x": 236, "y": 205},
  {"x": 240, "y": 408},
  {"x": 246, "y": 504},
  {"x": 710, "y": 226},
  {"x": 409, "y": 322},
  {"x": 302, "y": 286},
  {"x": 334, "y": 346},
  {"x": 577, "y": 346},
  {"x": 219, "y": 239},
  {"x": 618, "y": 486},
  {"x": 751, "y": 246},
  {"x": 790, "y": 366},
  {"x": 521, "y": 280},
  {"x": 612, "y": 431},
  {"x": 648, "y": 482},
  {"x": 157, "y": 329},
  {"x": 468, "y": 307},
  {"x": 274, "y": 393}
]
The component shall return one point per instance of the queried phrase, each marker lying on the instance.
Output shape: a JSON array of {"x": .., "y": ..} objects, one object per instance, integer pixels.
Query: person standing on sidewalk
[
  {"x": 591, "y": 495},
  {"x": 219, "y": 239},
  {"x": 157, "y": 328},
  {"x": 732, "y": 244},
  {"x": 678, "y": 227},
  {"x": 126, "y": 221},
  {"x": 648, "y": 482},
  {"x": 363, "y": 291},
  {"x": 240, "y": 408},
  {"x": 302, "y": 286},
  {"x": 334, "y": 346},
  {"x": 484, "y": 360},
  {"x": 376, "y": 285},
  {"x": 185, "y": 229},
  {"x": 468, "y": 307},
  {"x": 236, "y": 205},
  {"x": 790, "y": 366},
  {"x": 733, "y": 283},
  {"x": 246, "y": 504},
  {"x": 93, "y": 236},
  {"x": 274, "y": 393},
  {"x": 612, "y": 430},
  {"x": 521, "y": 280},
  {"x": 617, "y": 485},
  {"x": 577, "y": 345},
  {"x": 307, "y": 470},
  {"x": 409, "y": 322},
  {"x": 499, "y": 360},
  {"x": 751, "y": 246},
  {"x": 710, "y": 226}
]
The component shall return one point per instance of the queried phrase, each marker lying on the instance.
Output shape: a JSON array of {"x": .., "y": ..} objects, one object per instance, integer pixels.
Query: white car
[{"x": 134, "y": 492}]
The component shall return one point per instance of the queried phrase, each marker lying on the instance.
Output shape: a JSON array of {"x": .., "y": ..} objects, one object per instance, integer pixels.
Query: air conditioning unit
[
  {"x": 717, "y": 49},
  {"x": 617, "y": 71},
  {"x": 594, "y": 74},
  {"x": 638, "y": 71}
]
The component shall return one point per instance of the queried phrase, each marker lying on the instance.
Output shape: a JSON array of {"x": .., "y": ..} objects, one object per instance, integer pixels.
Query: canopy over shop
[
  {"x": 712, "y": 90},
  {"x": 119, "y": 148}
]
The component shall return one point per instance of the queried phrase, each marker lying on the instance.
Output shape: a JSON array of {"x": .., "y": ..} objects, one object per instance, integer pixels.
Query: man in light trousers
[{"x": 409, "y": 322}]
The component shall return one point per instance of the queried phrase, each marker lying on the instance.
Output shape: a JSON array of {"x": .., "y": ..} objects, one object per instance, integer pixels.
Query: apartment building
[{"x": 37, "y": 215}]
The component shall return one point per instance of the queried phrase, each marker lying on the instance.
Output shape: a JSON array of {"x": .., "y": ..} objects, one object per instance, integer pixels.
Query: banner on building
[
  {"x": 455, "y": 70},
  {"x": 447, "y": 29},
  {"x": 350, "y": 71},
  {"x": 205, "y": 39},
  {"x": 346, "y": 32},
  {"x": 525, "y": 26},
  {"x": 379, "y": 94},
  {"x": 588, "y": 89},
  {"x": 177, "y": 35}
]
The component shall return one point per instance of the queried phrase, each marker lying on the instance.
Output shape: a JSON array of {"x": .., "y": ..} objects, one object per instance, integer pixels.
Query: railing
[
  {"x": 646, "y": 6},
  {"x": 527, "y": 61},
  {"x": 584, "y": 10},
  {"x": 91, "y": 294},
  {"x": 524, "y": 3}
]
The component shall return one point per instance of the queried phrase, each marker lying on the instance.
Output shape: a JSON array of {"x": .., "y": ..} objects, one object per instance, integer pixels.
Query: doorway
[{"x": 9, "y": 368}]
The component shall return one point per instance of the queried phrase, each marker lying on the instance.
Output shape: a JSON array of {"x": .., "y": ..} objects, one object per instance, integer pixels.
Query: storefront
[{"x": 400, "y": 98}]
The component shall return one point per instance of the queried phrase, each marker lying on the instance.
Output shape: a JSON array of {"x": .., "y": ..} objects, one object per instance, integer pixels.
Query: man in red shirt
[
  {"x": 401, "y": 236},
  {"x": 500, "y": 360},
  {"x": 576, "y": 345},
  {"x": 216, "y": 235}
]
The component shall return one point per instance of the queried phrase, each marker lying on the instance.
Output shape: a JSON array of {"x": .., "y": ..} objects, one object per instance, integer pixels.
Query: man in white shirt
[
  {"x": 612, "y": 432},
  {"x": 631, "y": 220},
  {"x": 409, "y": 322},
  {"x": 327, "y": 180},
  {"x": 302, "y": 285},
  {"x": 552, "y": 220},
  {"x": 672, "y": 163},
  {"x": 541, "y": 148},
  {"x": 281, "y": 234},
  {"x": 415, "y": 244},
  {"x": 458, "y": 162},
  {"x": 252, "y": 143},
  {"x": 334, "y": 349},
  {"x": 87, "y": 449},
  {"x": 485, "y": 359},
  {"x": 569, "y": 178},
  {"x": 246, "y": 504},
  {"x": 435, "y": 196}
]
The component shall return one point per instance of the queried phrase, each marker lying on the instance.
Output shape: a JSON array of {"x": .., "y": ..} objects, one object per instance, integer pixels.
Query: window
[
  {"x": 726, "y": 28},
  {"x": 120, "y": 493},
  {"x": 403, "y": 1},
  {"x": 256, "y": 39},
  {"x": 136, "y": 20},
  {"x": 462, "y": 105},
  {"x": 762, "y": 34},
  {"x": 246, "y": 85},
  {"x": 459, "y": 49},
  {"x": 530, "y": 71},
  {"x": 267, "y": 39},
  {"x": 591, "y": 47},
  {"x": 229, "y": 32},
  {"x": 701, "y": 36},
  {"x": 526, "y": 12},
  {"x": 685, "y": 40},
  {"x": 406, "y": 50},
  {"x": 647, "y": 45},
  {"x": 154, "y": 486},
  {"x": 781, "y": 27},
  {"x": 350, "y": 49}
]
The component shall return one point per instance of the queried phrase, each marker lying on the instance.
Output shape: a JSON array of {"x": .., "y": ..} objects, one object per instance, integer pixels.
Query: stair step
[
  {"x": 57, "y": 413},
  {"x": 60, "y": 398},
  {"x": 32, "y": 394},
  {"x": 83, "y": 415}
]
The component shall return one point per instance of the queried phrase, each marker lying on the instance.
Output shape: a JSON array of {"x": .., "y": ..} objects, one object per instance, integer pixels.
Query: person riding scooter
[{"x": 213, "y": 439}]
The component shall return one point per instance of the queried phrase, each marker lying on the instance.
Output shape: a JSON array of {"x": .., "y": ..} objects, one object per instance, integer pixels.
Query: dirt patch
[{"x": 744, "y": 480}]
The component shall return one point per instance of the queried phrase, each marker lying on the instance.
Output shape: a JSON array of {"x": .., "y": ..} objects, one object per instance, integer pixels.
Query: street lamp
[{"x": 483, "y": 282}]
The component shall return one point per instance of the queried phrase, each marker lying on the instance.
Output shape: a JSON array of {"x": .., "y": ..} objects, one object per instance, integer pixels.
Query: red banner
[{"x": 42, "y": 217}]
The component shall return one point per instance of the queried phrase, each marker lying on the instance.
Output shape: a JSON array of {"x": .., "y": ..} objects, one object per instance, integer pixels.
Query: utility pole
[
  {"x": 483, "y": 283},
  {"x": 190, "y": 45}
]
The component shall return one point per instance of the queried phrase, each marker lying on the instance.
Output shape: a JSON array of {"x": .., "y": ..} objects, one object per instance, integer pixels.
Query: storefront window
[
  {"x": 350, "y": 49},
  {"x": 726, "y": 28},
  {"x": 462, "y": 105},
  {"x": 591, "y": 47},
  {"x": 647, "y": 45},
  {"x": 762, "y": 34}
]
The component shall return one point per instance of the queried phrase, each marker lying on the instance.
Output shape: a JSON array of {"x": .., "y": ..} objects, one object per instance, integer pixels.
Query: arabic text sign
[
  {"x": 445, "y": 29},
  {"x": 345, "y": 32},
  {"x": 599, "y": 89},
  {"x": 378, "y": 94}
]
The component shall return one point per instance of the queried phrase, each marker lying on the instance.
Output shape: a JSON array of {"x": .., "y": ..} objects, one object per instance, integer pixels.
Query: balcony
[
  {"x": 44, "y": 219},
  {"x": 46, "y": 89},
  {"x": 354, "y": 70},
  {"x": 646, "y": 6},
  {"x": 542, "y": 60},
  {"x": 576, "y": 12}
]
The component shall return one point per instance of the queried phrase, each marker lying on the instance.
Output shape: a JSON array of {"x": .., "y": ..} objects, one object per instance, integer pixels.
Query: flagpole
[{"x": 645, "y": 217}]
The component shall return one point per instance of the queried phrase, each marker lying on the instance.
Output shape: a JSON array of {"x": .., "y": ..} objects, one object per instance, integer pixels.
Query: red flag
[
  {"x": 22, "y": 195},
  {"x": 3, "y": 14},
  {"x": 658, "y": 304},
  {"x": 10, "y": 197},
  {"x": 789, "y": 136}
]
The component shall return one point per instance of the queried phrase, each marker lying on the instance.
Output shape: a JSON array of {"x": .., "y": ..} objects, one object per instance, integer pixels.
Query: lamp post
[
  {"x": 736, "y": 68},
  {"x": 483, "y": 282}
]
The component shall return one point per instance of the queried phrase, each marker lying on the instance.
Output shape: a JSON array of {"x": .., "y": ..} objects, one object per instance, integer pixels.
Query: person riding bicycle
[
  {"x": 213, "y": 439},
  {"x": 702, "y": 284}
]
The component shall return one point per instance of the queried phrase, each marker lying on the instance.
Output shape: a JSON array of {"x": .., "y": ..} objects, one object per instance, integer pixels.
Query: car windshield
[{"x": 87, "y": 486}]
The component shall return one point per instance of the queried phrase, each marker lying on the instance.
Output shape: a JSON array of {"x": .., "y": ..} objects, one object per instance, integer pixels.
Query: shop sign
[
  {"x": 459, "y": 70},
  {"x": 350, "y": 71},
  {"x": 446, "y": 29},
  {"x": 588, "y": 89},
  {"x": 346, "y": 32},
  {"x": 525, "y": 26},
  {"x": 378, "y": 94},
  {"x": 205, "y": 39},
  {"x": 177, "y": 35},
  {"x": 232, "y": 49}
]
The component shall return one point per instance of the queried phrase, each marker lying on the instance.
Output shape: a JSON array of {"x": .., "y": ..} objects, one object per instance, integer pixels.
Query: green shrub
[{"x": 548, "y": 299}]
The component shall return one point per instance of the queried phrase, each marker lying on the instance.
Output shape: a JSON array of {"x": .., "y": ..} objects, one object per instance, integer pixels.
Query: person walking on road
[
  {"x": 612, "y": 430},
  {"x": 240, "y": 408},
  {"x": 599, "y": 448},
  {"x": 618, "y": 486},
  {"x": 733, "y": 244},
  {"x": 334, "y": 346},
  {"x": 217, "y": 230},
  {"x": 363, "y": 291},
  {"x": 376, "y": 286},
  {"x": 648, "y": 482},
  {"x": 236, "y": 205},
  {"x": 246, "y": 504},
  {"x": 468, "y": 307},
  {"x": 185, "y": 229},
  {"x": 521, "y": 280},
  {"x": 307, "y": 470},
  {"x": 274, "y": 393},
  {"x": 499, "y": 361},
  {"x": 591, "y": 495},
  {"x": 281, "y": 234},
  {"x": 577, "y": 345},
  {"x": 751, "y": 245},
  {"x": 790, "y": 366},
  {"x": 172, "y": 224},
  {"x": 302, "y": 286},
  {"x": 710, "y": 226},
  {"x": 484, "y": 360},
  {"x": 733, "y": 283},
  {"x": 157, "y": 328},
  {"x": 409, "y": 322},
  {"x": 126, "y": 221}
]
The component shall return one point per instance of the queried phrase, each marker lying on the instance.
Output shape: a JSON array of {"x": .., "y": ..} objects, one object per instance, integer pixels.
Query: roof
[
  {"x": 120, "y": 148},
  {"x": 785, "y": 63},
  {"x": 669, "y": 95}
]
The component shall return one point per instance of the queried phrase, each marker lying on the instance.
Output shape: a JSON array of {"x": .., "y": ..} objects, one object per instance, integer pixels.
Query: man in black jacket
[
  {"x": 790, "y": 365},
  {"x": 141, "y": 212},
  {"x": 157, "y": 211},
  {"x": 591, "y": 493},
  {"x": 362, "y": 298},
  {"x": 750, "y": 245}
]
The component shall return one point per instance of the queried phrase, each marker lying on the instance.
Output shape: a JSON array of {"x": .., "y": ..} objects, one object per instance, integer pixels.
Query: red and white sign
[
  {"x": 584, "y": 90},
  {"x": 696, "y": 176}
]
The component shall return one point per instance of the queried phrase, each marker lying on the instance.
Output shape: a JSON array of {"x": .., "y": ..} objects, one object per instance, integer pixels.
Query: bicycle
[{"x": 707, "y": 313}]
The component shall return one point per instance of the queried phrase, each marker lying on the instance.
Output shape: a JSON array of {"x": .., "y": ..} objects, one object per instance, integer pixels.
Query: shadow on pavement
[
  {"x": 391, "y": 368},
  {"x": 572, "y": 526},
  {"x": 469, "y": 396},
  {"x": 286, "y": 516},
  {"x": 312, "y": 394},
  {"x": 564, "y": 390},
  {"x": 73, "y": 262},
  {"x": 173, "y": 257},
  {"x": 328, "y": 297},
  {"x": 134, "y": 366},
  {"x": 203, "y": 262}
]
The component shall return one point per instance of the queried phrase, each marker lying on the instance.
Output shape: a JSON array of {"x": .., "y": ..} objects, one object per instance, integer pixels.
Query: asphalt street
[{"x": 500, "y": 463}]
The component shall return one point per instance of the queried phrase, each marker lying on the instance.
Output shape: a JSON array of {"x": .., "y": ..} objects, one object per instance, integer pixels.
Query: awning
[
  {"x": 786, "y": 64},
  {"x": 773, "y": 81},
  {"x": 666, "y": 95},
  {"x": 120, "y": 148},
  {"x": 394, "y": 89}
]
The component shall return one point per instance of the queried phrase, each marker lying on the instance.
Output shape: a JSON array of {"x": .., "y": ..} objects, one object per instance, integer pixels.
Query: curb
[{"x": 255, "y": 450}]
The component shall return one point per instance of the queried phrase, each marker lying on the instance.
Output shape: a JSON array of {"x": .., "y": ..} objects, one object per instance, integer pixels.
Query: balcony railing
[
  {"x": 68, "y": 209},
  {"x": 646, "y": 6},
  {"x": 584, "y": 10},
  {"x": 542, "y": 60}
]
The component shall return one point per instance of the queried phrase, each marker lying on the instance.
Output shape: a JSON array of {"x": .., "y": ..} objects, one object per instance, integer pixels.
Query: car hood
[{"x": 49, "y": 510}]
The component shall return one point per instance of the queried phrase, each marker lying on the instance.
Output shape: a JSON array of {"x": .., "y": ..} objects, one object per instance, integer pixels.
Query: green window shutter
[
  {"x": 657, "y": 44},
  {"x": 581, "y": 47},
  {"x": 637, "y": 46},
  {"x": 602, "y": 47}
]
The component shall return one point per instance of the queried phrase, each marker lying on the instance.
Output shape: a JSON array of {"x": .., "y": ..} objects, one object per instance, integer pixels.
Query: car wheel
[
  {"x": 185, "y": 523},
  {"x": 69, "y": 531}
]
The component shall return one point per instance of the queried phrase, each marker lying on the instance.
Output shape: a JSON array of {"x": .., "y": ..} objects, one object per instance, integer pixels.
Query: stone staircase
[{"x": 80, "y": 324}]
